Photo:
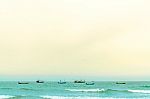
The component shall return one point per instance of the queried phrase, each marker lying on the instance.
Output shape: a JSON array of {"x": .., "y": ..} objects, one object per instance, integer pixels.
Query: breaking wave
[
  {"x": 6, "y": 96},
  {"x": 140, "y": 91}
]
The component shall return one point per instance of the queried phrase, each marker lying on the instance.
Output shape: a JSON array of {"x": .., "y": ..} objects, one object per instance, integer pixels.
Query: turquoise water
[{"x": 70, "y": 90}]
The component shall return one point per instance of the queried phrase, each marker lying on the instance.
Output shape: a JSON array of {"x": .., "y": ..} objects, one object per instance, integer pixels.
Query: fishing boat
[
  {"x": 79, "y": 81},
  {"x": 39, "y": 81},
  {"x": 90, "y": 83},
  {"x": 62, "y": 82},
  {"x": 23, "y": 82},
  {"x": 120, "y": 83}
]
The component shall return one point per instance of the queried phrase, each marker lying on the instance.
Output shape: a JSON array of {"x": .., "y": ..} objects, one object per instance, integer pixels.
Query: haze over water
[{"x": 80, "y": 38}]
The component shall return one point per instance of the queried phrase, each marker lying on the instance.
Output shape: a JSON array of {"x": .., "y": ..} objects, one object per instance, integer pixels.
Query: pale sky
[{"x": 103, "y": 38}]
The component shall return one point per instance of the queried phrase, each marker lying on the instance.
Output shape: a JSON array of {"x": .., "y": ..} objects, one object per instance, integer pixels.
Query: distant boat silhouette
[
  {"x": 120, "y": 83},
  {"x": 61, "y": 82},
  {"x": 39, "y": 81},
  {"x": 23, "y": 82},
  {"x": 79, "y": 81},
  {"x": 90, "y": 83}
]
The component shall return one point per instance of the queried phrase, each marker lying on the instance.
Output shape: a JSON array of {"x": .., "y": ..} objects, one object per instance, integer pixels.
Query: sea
[{"x": 71, "y": 90}]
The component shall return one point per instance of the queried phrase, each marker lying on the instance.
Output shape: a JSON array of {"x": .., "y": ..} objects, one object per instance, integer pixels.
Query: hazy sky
[{"x": 103, "y": 38}]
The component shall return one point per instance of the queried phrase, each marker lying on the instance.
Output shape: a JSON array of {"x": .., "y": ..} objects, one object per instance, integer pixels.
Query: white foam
[
  {"x": 6, "y": 96},
  {"x": 140, "y": 91},
  {"x": 85, "y": 90}
]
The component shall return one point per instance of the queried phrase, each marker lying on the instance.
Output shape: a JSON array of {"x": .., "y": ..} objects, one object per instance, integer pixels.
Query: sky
[{"x": 101, "y": 39}]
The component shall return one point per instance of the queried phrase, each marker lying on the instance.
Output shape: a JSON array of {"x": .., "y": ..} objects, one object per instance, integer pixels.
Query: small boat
[
  {"x": 79, "y": 81},
  {"x": 120, "y": 83},
  {"x": 39, "y": 81},
  {"x": 62, "y": 82},
  {"x": 90, "y": 83},
  {"x": 23, "y": 82}
]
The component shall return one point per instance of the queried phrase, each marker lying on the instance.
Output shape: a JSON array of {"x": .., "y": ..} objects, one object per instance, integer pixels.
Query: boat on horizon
[
  {"x": 79, "y": 81},
  {"x": 120, "y": 83},
  {"x": 62, "y": 82},
  {"x": 23, "y": 82},
  {"x": 90, "y": 83},
  {"x": 39, "y": 81}
]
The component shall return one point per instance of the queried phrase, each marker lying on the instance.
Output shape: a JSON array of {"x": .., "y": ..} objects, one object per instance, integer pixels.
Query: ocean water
[{"x": 70, "y": 90}]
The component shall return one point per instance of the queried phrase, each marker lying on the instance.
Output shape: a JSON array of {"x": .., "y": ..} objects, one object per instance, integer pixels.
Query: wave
[
  {"x": 86, "y": 90},
  {"x": 109, "y": 90},
  {"x": 6, "y": 88},
  {"x": 6, "y": 96},
  {"x": 18, "y": 97},
  {"x": 65, "y": 97},
  {"x": 95, "y": 90},
  {"x": 27, "y": 89},
  {"x": 140, "y": 91},
  {"x": 147, "y": 86}
]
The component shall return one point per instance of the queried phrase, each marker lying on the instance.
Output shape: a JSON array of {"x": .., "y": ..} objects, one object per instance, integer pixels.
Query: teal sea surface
[{"x": 71, "y": 90}]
